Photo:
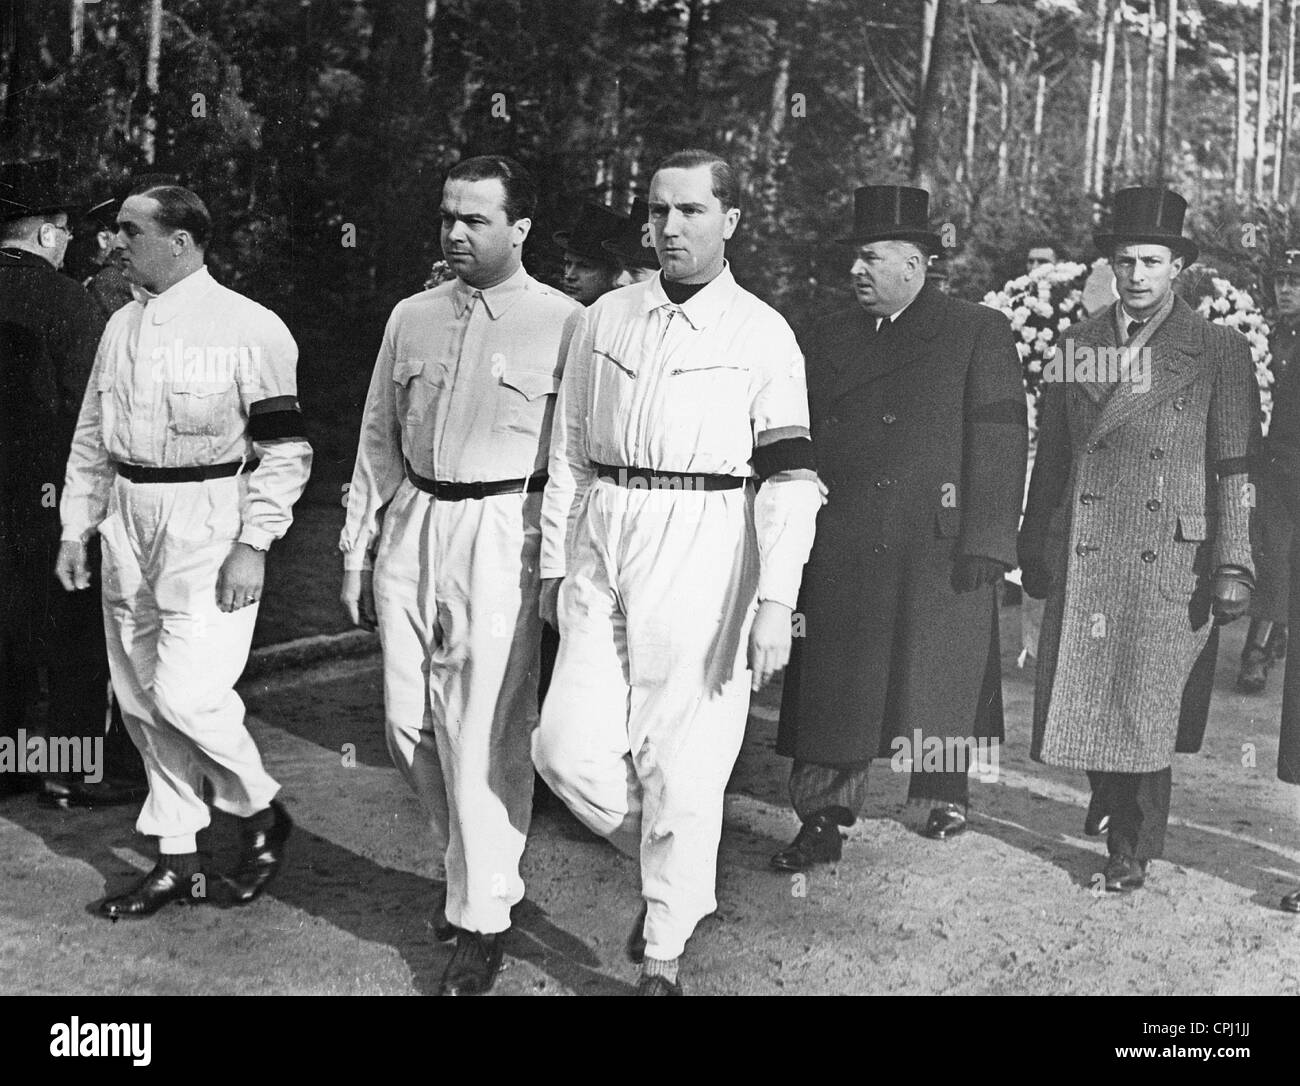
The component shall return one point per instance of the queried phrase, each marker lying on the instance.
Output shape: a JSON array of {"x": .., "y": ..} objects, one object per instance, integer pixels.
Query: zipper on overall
[{"x": 653, "y": 391}]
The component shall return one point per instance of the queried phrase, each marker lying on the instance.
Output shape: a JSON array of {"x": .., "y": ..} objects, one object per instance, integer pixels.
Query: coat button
[
  {"x": 1087, "y": 499},
  {"x": 884, "y": 484},
  {"x": 1153, "y": 504},
  {"x": 879, "y": 548},
  {"x": 889, "y": 420},
  {"x": 1180, "y": 403},
  {"x": 1148, "y": 556},
  {"x": 1086, "y": 548},
  {"x": 1157, "y": 454}
]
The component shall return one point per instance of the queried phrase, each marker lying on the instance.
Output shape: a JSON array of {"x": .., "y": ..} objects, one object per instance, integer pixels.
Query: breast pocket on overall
[
  {"x": 200, "y": 408},
  {"x": 1185, "y": 564},
  {"x": 709, "y": 398},
  {"x": 522, "y": 400},
  {"x": 420, "y": 382}
]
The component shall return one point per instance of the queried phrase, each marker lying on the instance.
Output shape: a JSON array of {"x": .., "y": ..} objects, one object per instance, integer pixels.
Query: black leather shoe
[
  {"x": 657, "y": 986},
  {"x": 945, "y": 823},
  {"x": 65, "y": 796},
  {"x": 1124, "y": 873},
  {"x": 443, "y": 929},
  {"x": 475, "y": 964},
  {"x": 818, "y": 842},
  {"x": 1253, "y": 676},
  {"x": 635, "y": 946},
  {"x": 150, "y": 894},
  {"x": 261, "y": 857},
  {"x": 1291, "y": 903}
]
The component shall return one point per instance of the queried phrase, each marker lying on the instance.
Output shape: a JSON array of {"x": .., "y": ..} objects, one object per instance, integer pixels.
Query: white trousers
[
  {"x": 456, "y": 595},
  {"x": 647, "y": 707},
  {"x": 175, "y": 657}
]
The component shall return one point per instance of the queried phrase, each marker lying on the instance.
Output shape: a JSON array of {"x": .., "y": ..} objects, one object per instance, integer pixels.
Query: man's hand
[
  {"x": 71, "y": 568},
  {"x": 240, "y": 581},
  {"x": 548, "y": 601},
  {"x": 769, "y": 642},
  {"x": 358, "y": 597},
  {"x": 1231, "y": 599}
]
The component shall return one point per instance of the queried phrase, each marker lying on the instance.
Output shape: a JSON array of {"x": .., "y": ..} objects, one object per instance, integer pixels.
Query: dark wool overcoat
[
  {"x": 49, "y": 329},
  {"x": 1137, "y": 497},
  {"x": 1279, "y": 469},
  {"x": 921, "y": 438}
]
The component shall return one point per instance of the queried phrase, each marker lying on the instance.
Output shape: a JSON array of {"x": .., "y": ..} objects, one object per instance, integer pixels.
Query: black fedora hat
[
  {"x": 596, "y": 223},
  {"x": 634, "y": 246},
  {"x": 31, "y": 188},
  {"x": 892, "y": 212},
  {"x": 105, "y": 211},
  {"x": 1147, "y": 216}
]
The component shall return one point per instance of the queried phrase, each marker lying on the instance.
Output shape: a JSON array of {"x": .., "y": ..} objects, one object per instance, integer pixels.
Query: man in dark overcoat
[
  {"x": 919, "y": 423},
  {"x": 1137, "y": 526},
  {"x": 1274, "y": 524},
  {"x": 1278, "y": 496},
  {"x": 49, "y": 329}
]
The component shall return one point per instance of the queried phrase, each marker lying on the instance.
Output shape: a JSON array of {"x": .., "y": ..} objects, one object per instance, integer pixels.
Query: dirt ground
[{"x": 1008, "y": 908}]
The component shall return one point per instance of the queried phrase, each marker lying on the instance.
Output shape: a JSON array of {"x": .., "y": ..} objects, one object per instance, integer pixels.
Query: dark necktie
[{"x": 1133, "y": 327}]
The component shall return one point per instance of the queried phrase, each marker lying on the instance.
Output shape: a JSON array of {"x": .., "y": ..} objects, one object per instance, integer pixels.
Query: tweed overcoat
[
  {"x": 920, "y": 436},
  {"x": 1137, "y": 497}
]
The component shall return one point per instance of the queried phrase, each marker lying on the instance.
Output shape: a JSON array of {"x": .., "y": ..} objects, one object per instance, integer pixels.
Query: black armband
[
  {"x": 276, "y": 419},
  {"x": 788, "y": 454}
]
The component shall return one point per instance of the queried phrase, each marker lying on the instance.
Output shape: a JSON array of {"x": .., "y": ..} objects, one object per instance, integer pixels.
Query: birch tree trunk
[
  {"x": 1094, "y": 101},
  {"x": 1261, "y": 107},
  {"x": 78, "y": 26},
  {"x": 928, "y": 15},
  {"x": 1040, "y": 100},
  {"x": 966, "y": 167},
  {"x": 1167, "y": 90},
  {"x": 925, "y": 134},
  {"x": 1287, "y": 101},
  {"x": 1004, "y": 122},
  {"x": 1099, "y": 170},
  {"x": 148, "y": 136},
  {"x": 1149, "y": 93},
  {"x": 1239, "y": 131},
  {"x": 1124, "y": 152}
]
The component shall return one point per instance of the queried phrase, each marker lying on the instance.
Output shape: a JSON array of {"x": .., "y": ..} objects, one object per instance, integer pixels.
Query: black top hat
[
  {"x": 596, "y": 223},
  {"x": 31, "y": 188},
  {"x": 105, "y": 212},
  {"x": 892, "y": 212},
  {"x": 1147, "y": 216},
  {"x": 634, "y": 245}
]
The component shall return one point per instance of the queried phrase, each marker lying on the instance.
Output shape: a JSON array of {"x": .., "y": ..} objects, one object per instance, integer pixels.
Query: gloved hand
[
  {"x": 1035, "y": 580},
  {"x": 970, "y": 572},
  {"x": 1231, "y": 598}
]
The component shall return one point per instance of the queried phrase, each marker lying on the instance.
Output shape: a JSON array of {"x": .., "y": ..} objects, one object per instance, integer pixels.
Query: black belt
[
  {"x": 459, "y": 492},
  {"x": 648, "y": 479},
  {"x": 138, "y": 473}
]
